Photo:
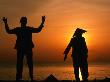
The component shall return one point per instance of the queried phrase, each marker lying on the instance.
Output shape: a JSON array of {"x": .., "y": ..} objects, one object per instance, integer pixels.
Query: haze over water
[{"x": 60, "y": 72}]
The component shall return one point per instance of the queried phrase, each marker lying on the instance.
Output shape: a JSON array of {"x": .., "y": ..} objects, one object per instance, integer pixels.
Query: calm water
[{"x": 60, "y": 72}]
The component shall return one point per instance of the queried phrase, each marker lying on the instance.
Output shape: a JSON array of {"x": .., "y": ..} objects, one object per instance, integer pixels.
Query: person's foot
[
  {"x": 18, "y": 80},
  {"x": 78, "y": 80},
  {"x": 85, "y": 80},
  {"x": 31, "y": 80}
]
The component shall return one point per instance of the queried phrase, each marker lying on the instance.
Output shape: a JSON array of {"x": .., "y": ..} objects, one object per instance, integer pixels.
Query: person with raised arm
[{"x": 24, "y": 44}]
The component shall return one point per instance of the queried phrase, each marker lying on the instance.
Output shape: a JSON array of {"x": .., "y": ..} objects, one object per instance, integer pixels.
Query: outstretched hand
[
  {"x": 4, "y": 19},
  {"x": 43, "y": 19}
]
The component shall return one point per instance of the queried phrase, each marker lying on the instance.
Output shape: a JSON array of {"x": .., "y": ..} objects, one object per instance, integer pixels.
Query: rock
[{"x": 51, "y": 78}]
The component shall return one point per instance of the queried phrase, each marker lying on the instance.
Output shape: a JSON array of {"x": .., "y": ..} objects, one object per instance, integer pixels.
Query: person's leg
[
  {"x": 19, "y": 65},
  {"x": 76, "y": 72},
  {"x": 29, "y": 56},
  {"x": 84, "y": 70}
]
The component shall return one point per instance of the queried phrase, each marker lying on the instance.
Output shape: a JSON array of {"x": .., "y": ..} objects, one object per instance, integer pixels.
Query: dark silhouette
[
  {"x": 24, "y": 44},
  {"x": 51, "y": 78},
  {"x": 79, "y": 54}
]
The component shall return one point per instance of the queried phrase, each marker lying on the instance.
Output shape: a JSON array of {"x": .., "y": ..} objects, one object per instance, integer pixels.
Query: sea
[{"x": 60, "y": 72}]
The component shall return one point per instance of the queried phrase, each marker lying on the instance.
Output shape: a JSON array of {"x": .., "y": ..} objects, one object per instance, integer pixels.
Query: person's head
[
  {"x": 79, "y": 32},
  {"x": 23, "y": 21}
]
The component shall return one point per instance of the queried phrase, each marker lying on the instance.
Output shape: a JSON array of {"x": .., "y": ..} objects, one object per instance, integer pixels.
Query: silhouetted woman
[{"x": 79, "y": 54}]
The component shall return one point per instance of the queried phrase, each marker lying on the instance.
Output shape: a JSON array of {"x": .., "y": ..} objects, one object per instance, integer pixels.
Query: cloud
[{"x": 15, "y": 8}]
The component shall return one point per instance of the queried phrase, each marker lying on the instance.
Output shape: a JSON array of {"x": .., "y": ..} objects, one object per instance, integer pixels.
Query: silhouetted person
[
  {"x": 79, "y": 54},
  {"x": 24, "y": 44}
]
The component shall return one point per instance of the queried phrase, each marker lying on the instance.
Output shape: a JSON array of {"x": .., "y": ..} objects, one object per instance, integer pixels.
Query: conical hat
[{"x": 79, "y": 31}]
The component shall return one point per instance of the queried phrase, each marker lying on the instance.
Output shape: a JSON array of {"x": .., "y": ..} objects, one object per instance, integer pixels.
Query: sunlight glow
[
  {"x": 80, "y": 76},
  {"x": 88, "y": 38}
]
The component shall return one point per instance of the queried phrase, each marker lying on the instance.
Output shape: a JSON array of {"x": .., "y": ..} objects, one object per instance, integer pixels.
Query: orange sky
[{"x": 62, "y": 18}]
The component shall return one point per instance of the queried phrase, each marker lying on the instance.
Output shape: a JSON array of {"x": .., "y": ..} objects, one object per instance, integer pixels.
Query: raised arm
[
  {"x": 67, "y": 50},
  {"x": 36, "y": 30},
  {"x": 7, "y": 27}
]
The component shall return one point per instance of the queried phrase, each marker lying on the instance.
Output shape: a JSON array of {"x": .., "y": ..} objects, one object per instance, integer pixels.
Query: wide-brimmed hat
[{"x": 79, "y": 31}]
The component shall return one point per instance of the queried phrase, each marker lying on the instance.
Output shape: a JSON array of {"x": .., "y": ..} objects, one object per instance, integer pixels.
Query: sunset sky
[{"x": 62, "y": 18}]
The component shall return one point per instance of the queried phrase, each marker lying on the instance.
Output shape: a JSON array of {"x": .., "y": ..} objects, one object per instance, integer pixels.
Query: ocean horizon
[{"x": 60, "y": 72}]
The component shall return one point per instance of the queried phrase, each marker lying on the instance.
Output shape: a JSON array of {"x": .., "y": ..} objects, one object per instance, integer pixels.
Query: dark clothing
[
  {"x": 24, "y": 36},
  {"x": 79, "y": 56},
  {"x": 24, "y": 47},
  {"x": 83, "y": 65},
  {"x": 19, "y": 67},
  {"x": 24, "y": 44},
  {"x": 79, "y": 47}
]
